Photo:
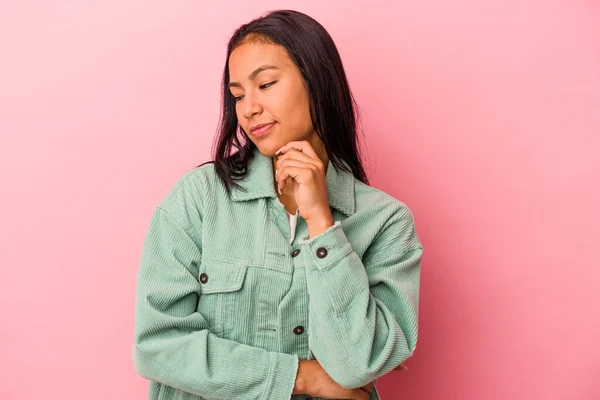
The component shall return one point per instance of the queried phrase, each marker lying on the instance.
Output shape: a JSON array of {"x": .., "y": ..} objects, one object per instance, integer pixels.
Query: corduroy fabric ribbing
[{"x": 226, "y": 306}]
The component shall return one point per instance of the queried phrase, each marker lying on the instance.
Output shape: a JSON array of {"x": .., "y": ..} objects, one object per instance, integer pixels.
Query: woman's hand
[
  {"x": 401, "y": 367},
  {"x": 314, "y": 381},
  {"x": 299, "y": 161}
]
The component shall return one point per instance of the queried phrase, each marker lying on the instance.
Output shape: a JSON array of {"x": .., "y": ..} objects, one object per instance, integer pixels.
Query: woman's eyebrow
[{"x": 254, "y": 74}]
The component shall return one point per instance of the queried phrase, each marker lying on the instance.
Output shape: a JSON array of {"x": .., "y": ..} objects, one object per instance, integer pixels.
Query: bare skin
[
  {"x": 314, "y": 381},
  {"x": 287, "y": 194},
  {"x": 277, "y": 94}
]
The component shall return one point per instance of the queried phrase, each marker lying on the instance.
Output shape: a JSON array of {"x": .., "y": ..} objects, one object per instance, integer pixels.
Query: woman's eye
[
  {"x": 263, "y": 86},
  {"x": 266, "y": 85}
]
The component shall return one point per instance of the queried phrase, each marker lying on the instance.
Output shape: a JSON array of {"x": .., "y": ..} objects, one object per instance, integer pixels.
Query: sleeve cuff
[
  {"x": 283, "y": 369},
  {"x": 327, "y": 247},
  {"x": 341, "y": 276}
]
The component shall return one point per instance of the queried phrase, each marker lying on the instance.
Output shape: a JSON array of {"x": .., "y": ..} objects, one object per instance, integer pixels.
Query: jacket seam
[{"x": 179, "y": 224}]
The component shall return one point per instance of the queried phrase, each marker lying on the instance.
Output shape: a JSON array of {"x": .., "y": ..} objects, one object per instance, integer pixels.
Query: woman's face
[{"x": 269, "y": 89}]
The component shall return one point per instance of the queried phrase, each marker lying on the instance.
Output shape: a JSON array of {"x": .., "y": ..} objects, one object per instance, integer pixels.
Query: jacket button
[
  {"x": 295, "y": 252},
  {"x": 321, "y": 252},
  {"x": 298, "y": 330},
  {"x": 203, "y": 278}
]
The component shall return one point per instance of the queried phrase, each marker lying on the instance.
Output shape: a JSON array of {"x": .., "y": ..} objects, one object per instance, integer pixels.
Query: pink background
[{"x": 483, "y": 117}]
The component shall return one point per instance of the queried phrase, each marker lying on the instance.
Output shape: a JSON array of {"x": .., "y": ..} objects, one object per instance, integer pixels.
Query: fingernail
[
  {"x": 275, "y": 171},
  {"x": 277, "y": 152}
]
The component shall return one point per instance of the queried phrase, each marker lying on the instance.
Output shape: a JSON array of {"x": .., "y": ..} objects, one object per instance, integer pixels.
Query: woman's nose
[{"x": 251, "y": 107}]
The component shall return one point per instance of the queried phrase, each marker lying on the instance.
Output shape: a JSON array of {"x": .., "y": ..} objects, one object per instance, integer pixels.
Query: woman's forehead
[{"x": 249, "y": 56}]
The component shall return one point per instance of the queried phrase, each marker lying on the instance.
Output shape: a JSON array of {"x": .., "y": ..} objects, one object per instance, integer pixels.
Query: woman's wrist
[{"x": 300, "y": 384}]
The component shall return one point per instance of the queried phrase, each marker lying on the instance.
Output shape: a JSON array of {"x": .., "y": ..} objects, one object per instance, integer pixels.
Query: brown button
[
  {"x": 298, "y": 330},
  {"x": 321, "y": 252},
  {"x": 295, "y": 252},
  {"x": 203, "y": 278}
]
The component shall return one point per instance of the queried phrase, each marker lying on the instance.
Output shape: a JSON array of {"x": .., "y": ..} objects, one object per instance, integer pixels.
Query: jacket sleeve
[
  {"x": 363, "y": 314},
  {"x": 172, "y": 344}
]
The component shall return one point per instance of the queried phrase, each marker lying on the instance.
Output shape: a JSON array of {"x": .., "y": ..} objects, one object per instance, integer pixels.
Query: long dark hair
[{"x": 332, "y": 107}]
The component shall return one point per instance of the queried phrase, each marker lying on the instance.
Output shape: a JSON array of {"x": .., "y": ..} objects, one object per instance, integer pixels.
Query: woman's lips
[{"x": 262, "y": 130}]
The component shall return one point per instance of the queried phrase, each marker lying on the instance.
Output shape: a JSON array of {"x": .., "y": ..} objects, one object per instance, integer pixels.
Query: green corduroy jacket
[{"x": 226, "y": 307}]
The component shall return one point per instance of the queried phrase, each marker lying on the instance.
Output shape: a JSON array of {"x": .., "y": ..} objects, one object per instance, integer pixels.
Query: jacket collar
[{"x": 260, "y": 182}]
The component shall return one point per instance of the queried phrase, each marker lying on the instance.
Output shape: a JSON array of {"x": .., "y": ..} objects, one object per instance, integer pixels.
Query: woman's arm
[
  {"x": 363, "y": 314},
  {"x": 172, "y": 344}
]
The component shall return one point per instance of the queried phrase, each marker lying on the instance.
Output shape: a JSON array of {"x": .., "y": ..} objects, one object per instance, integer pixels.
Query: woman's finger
[
  {"x": 292, "y": 169},
  {"x": 401, "y": 367},
  {"x": 297, "y": 155},
  {"x": 368, "y": 387},
  {"x": 301, "y": 145},
  {"x": 360, "y": 394}
]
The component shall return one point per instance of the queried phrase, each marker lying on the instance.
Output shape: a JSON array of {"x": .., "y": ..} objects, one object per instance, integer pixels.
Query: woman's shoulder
[
  {"x": 390, "y": 217},
  {"x": 369, "y": 198},
  {"x": 188, "y": 192}
]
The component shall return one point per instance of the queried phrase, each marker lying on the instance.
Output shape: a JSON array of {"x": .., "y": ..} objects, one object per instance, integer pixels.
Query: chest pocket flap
[{"x": 218, "y": 276}]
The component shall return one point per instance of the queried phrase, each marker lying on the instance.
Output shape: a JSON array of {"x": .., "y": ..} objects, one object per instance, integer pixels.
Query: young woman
[{"x": 276, "y": 271}]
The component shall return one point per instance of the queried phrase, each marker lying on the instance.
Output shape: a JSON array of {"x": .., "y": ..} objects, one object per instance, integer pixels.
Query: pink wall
[{"x": 484, "y": 118}]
